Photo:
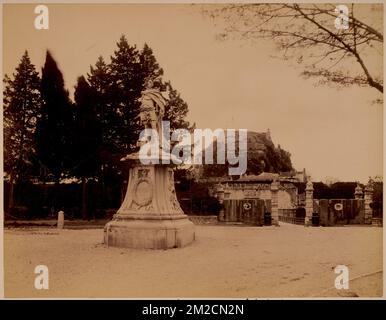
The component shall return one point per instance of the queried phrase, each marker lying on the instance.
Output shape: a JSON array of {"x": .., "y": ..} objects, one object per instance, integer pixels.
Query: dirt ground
[{"x": 223, "y": 262}]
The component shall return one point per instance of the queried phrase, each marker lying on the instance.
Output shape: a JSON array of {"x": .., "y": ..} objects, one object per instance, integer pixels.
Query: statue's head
[
  {"x": 153, "y": 83},
  {"x": 149, "y": 83}
]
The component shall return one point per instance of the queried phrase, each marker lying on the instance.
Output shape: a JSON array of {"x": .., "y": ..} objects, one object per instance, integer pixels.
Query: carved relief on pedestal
[
  {"x": 143, "y": 173},
  {"x": 173, "y": 197},
  {"x": 142, "y": 196},
  {"x": 174, "y": 201}
]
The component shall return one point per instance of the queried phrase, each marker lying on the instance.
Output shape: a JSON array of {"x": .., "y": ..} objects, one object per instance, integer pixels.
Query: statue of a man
[{"x": 152, "y": 107}]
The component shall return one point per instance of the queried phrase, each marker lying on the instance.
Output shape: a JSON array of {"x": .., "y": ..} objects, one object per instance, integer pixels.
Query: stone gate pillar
[
  {"x": 275, "y": 203},
  {"x": 220, "y": 197},
  {"x": 309, "y": 203},
  {"x": 358, "y": 192},
  {"x": 368, "y": 200}
]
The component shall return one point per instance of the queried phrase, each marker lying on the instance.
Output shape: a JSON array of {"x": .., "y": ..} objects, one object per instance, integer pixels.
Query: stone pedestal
[{"x": 150, "y": 216}]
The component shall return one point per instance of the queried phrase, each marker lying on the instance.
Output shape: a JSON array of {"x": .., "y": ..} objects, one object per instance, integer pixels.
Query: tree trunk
[
  {"x": 55, "y": 205},
  {"x": 11, "y": 189},
  {"x": 103, "y": 188},
  {"x": 84, "y": 199}
]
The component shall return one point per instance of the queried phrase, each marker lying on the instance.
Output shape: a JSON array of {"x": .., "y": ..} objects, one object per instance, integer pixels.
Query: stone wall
[{"x": 287, "y": 193}]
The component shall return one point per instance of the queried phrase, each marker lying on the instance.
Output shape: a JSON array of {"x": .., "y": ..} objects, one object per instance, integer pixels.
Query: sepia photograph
[{"x": 192, "y": 151}]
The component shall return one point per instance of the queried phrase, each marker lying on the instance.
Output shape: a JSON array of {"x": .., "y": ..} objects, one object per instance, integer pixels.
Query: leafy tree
[
  {"x": 307, "y": 34},
  {"x": 256, "y": 165},
  {"x": 22, "y": 104},
  {"x": 54, "y": 132},
  {"x": 285, "y": 163},
  {"x": 267, "y": 159},
  {"x": 377, "y": 204}
]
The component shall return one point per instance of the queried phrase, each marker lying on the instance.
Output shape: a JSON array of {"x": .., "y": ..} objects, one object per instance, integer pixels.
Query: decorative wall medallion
[
  {"x": 247, "y": 206},
  {"x": 143, "y": 193}
]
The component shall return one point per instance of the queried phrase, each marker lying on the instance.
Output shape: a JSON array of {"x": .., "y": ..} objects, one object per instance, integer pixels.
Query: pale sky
[{"x": 232, "y": 84}]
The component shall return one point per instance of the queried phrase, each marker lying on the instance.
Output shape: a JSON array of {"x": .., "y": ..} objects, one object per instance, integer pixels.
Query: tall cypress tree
[
  {"x": 54, "y": 134},
  {"x": 21, "y": 110}
]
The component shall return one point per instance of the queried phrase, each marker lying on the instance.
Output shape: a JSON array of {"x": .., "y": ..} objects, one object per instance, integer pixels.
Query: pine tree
[
  {"x": 176, "y": 109},
  {"x": 99, "y": 76},
  {"x": 100, "y": 82},
  {"x": 150, "y": 68},
  {"x": 119, "y": 86},
  {"x": 21, "y": 110},
  {"x": 86, "y": 129},
  {"x": 54, "y": 134},
  {"x": 125, "y": 90},
  {"x": 88, "y": 137}
]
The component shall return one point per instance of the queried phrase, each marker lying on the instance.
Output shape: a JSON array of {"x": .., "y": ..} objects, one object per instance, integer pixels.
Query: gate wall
[
  {"x": 341, "y": 211},
  {"x": 246, "y": 211}
]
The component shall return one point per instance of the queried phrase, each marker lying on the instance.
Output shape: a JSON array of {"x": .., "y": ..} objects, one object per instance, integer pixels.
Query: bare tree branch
[{"x": 301, "y": 30}]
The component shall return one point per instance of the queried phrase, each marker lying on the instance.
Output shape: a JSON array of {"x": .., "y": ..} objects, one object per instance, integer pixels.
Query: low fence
[
  {"x": 38, "y": 201},
  {"x": 34, "y": 201},
  {"x": 203, "y": 219},
  {"x": 293, "y": 220},
  {"x": 294, "y": 216},
  {"x": 377, "y": 222}
]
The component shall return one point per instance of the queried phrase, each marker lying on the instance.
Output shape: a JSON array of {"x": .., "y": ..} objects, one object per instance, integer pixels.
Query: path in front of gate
[{"x": 224, "y": 261}]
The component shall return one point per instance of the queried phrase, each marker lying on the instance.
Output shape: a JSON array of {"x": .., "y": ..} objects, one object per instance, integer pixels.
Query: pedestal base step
[{"x": 149, "y": 234}]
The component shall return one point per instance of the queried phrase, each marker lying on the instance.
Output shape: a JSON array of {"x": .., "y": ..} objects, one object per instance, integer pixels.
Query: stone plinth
[{"x": 150, "y": 216}]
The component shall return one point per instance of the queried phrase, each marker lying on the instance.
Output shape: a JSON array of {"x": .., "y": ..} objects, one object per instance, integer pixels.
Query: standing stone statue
[
  {"x": 152, "y": 107},
  {"x": 150, "y": 215}
]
